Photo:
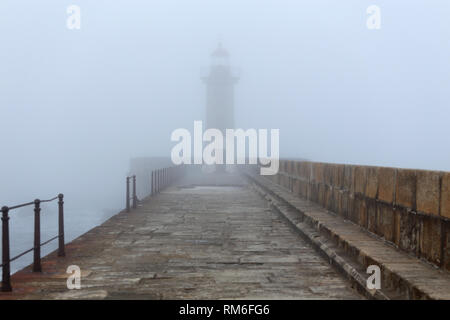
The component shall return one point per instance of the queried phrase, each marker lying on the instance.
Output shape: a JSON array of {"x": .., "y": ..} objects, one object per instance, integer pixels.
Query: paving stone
[{"x": 206, "y": 242}]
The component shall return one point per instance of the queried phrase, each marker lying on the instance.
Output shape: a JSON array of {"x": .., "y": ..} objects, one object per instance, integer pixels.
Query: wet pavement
[{"x": 210, "y": 237}]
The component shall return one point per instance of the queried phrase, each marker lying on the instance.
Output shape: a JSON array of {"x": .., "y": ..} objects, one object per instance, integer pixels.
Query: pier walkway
[{"x": 207, "y": 237}]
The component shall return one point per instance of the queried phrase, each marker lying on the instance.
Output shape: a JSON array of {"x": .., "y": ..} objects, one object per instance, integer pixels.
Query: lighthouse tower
[
  {"x": 220, "y": 92},
  {"x": 220, "y": 99}
]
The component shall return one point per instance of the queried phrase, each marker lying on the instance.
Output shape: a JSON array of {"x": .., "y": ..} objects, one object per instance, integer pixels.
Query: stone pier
[{"x": 208, "y": 237}]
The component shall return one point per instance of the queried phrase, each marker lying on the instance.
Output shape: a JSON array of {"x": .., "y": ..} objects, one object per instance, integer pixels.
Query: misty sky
[{"x": 76, "y": 105}]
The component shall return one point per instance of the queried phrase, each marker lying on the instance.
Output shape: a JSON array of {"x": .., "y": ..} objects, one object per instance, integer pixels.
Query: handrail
[
  {"x": 6, "y": 260},
  {"x": 160, "y": 179},
  {"x": 30, "y": 203},
  {"x": 134, "y": 197}
]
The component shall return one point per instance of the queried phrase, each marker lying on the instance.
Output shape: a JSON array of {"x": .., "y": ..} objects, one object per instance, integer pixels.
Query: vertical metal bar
[
  {"x": 127, "y": 205},
  {"x": 158, "y": 178},
  {"x": 61, "y": 252},
  {"x": 37, "y": 236},
  {"x": 134, "y": 193},
  {"x": 151, "y": 184},
  {"x": 6, "y": 271}
]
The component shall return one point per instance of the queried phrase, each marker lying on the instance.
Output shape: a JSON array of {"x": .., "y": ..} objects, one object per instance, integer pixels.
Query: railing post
[
  {"x": 134, "y": 193},
  {"x": 37, "y": 236},
  {"x": 158, "y": 178},
  {"x": 6, "y": 276},
  {"x": 61, "y": 252},
  {"x": 127, "y": 205},
  {"x": 151, "y": 184}
]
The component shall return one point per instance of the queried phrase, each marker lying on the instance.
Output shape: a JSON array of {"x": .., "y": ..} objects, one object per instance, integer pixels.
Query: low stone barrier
[{"x": 409, "y": 208}]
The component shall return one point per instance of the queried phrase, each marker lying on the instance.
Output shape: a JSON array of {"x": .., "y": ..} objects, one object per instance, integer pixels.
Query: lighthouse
[{"x": 220, "y": 84}]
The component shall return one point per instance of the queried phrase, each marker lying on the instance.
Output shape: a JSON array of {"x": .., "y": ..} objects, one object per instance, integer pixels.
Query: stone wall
[{"x": 409, "y": 208}]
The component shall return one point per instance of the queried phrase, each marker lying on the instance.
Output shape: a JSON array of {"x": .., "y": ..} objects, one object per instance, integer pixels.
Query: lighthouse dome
[{"x": 220, "y": 57}]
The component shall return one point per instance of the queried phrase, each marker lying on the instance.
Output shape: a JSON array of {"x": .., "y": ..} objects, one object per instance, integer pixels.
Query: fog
[{"x": 77, "y": 105}]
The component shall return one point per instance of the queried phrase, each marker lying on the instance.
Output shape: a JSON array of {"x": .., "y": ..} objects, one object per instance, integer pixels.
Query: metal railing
[
  {"x": 6, "y": 260},
  {"x": 133, "y": 198},
  {"x": 160, "y": 179}
]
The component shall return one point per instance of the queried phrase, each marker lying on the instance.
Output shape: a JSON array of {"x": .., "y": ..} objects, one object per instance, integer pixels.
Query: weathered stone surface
[
  {"x": 283, "y": 165},
  {"x": 372, "y": 182},
  {"x": 204, "y": 242},
  {"x": 445, "y": 195},
  {"x": 372, "y": 220},
  {"x": 321, "y": 195},
  {"x": 344, "y": 204},
  {"x": 446, "y": 250},
  {"x": 360, "y": 179},
  {"x": 428, "y": 189},
  {"x": 430, "y": 240},
  {"x": 386, "y": 184},
  {"x": 360, "y": 211},
  {"x": 338, "y": 176},
  {"x": 296, "y": 187},
  {"x": 401, "y": 271},
  {"x": 298, "y": 168},
  {"x": 305, "y": 170},
  {"x": 290, "y": 167},
  {"x": 349, "y": 177},
  {"x": 408, "y": 228},
  {"x": 336, "y": 200},
  {"x": 318, "y": 172},
  {"x": 386, "y": 221},
  {"x": 328, "y": 172},
  {"x": 405, "y": 192}
]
